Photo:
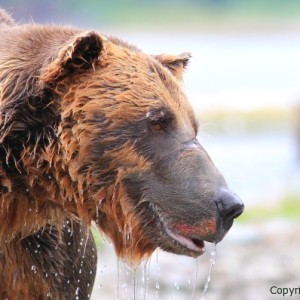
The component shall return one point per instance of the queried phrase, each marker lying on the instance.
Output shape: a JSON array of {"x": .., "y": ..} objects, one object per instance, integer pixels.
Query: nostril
[{"x": 229, "y": 205}]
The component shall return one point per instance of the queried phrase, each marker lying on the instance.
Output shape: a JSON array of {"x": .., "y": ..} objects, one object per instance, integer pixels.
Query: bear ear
[
  {"x": 175, "y": 63},
  {"x": 80, "y": 54}
]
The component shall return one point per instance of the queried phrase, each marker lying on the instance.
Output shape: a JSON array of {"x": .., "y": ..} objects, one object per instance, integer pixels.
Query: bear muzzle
[{"x": 192, "y": 236}]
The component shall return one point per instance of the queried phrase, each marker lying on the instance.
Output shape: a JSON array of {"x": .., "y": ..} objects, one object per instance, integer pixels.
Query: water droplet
[
  {"x": 33, "y": 268},
  {"x": 77, "y": 290}
]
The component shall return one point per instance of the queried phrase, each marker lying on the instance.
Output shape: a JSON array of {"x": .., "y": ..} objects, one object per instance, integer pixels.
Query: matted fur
[
  {"x": 43, "y": 149},
  {"x": 93, "y": 129}
]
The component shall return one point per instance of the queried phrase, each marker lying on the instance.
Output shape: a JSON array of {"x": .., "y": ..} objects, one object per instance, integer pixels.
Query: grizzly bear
[{"x": 94, "y": 130}]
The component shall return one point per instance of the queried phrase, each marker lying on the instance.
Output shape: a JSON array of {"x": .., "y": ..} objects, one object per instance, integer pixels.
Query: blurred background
[{"x": 243, "y": 81}]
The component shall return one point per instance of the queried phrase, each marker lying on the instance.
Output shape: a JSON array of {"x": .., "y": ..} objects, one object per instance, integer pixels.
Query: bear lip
[
  {"x": 196, "y": 246},
  {"x": 191, "y": 244}
]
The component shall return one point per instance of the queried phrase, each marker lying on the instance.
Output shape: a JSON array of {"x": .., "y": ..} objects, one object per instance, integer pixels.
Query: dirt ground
[{"x": 254, "y": 262}]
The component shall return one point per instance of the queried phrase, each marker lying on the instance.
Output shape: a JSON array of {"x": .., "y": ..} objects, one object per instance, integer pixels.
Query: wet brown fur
[{"x": 51, "y": 118}]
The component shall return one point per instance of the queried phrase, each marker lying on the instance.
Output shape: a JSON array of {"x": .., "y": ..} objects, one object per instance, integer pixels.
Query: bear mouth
[
  {"x": 172, "y": 241},
  {"x": 195, "y": 245}
]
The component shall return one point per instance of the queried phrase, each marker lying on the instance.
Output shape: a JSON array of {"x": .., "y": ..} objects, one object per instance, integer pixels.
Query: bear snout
[
  {"x": 213, "y": 228},
  {"x": 229, "y": 206}
]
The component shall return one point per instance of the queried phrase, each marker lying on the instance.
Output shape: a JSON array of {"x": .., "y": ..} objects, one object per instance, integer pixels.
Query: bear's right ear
[
  {"x": 83, "y": 51},
  {"x": 175, "y": 63}
]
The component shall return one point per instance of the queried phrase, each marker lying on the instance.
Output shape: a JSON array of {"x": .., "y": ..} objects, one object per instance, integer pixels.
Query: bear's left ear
[
  {"x": 175, "y": 63},
  {"x": 80, "y": 54}
]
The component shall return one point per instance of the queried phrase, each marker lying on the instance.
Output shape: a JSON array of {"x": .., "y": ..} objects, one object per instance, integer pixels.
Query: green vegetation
[
  {"x": 288, "y": 208},
  {"x": 97, "y": 236},
  {"x": 191, "y": 14},
  {"x": 169, "y": 13},
  {"x": 144, "y": 10}
]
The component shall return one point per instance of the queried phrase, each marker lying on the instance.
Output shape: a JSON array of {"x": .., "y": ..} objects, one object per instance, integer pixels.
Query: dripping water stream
[
  {"x": 135, "y": 283},
  {"x": 118, "y": 279},
  {"x": 196, "y": 278},
  {"x": 164, "y": 282},
  {"x": 213, "y": 254}
]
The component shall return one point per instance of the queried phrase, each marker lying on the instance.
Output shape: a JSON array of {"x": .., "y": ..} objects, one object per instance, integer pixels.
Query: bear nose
[{"x": 229, "y": 205}]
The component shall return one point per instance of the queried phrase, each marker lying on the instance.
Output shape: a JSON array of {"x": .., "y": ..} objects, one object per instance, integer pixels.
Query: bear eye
[
  {"x": 158, "y": 126},
  {"x": 159, "y": 119}
]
